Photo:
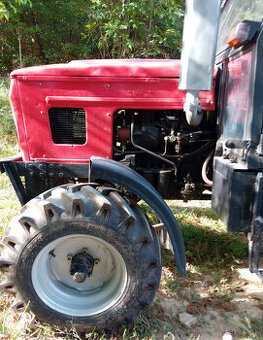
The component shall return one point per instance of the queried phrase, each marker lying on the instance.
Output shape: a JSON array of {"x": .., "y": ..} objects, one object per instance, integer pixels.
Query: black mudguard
[{"x": 114, "y": 172}]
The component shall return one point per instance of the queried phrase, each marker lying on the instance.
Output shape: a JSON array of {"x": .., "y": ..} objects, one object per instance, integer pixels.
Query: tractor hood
[{"x": 135, "y": 68}]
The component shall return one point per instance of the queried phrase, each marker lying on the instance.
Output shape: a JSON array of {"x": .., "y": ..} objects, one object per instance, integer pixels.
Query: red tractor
[{"x": 98, "y": 136}]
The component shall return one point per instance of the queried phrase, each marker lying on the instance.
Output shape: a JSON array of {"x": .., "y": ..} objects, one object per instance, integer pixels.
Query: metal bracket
[
  {"x": 254, "y": 246},
  {"x": 16, "y": 181},
  {"x": 192, "y": 108},
  {"x": 255, "y": 235}
]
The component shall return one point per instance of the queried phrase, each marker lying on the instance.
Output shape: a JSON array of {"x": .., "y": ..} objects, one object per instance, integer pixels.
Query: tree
[
  {"x": 7, "y": 7},
  {"x": 46, "y": 31},
  {"x": 54, "y": 31},
  {"x": 141, "y": 28}
]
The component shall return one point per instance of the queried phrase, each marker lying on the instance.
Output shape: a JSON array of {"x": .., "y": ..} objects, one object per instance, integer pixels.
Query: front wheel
[{"x": 81, "y": 256}]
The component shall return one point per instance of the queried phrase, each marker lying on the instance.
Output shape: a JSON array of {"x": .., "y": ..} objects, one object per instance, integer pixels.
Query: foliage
[
  {"x": 53, "y": 31},
  {"x": 120, "y": 29},
  {"x": 7, "y": 7},
  {"x": 8, "y": 138}
]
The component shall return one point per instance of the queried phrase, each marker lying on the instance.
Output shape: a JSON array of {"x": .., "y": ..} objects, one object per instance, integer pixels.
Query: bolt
[
  {"x": 61, "y": 174},
  {"x": 96, "y": 261},
  {"x": 69, "y": 257},
  {"x": 108, "y": 114},
  {"x": 84, "y": 251},
  {"x": 41, "y": 112},
  {"x": 40, "y": 84},
  {"x": 108, "y": 85},
  {"x": 79, "y": 277}
]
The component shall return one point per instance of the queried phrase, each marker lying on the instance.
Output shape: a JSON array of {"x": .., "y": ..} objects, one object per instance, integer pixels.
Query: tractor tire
[{"x": 64, "y": 223}]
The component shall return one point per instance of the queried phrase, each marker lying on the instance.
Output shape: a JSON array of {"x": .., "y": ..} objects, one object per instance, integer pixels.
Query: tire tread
[{"x": 102, "y": 206}]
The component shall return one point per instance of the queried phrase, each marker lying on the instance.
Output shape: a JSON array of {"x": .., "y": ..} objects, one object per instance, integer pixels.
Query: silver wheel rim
[{"x": 55, "y": 286}]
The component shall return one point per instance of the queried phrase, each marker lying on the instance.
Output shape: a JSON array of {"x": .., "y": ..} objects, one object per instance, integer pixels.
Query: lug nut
[
  {"x": 96, "y": 261},
  {"x": 69, "y": 257},
  {"x": 84, "y": 251}
]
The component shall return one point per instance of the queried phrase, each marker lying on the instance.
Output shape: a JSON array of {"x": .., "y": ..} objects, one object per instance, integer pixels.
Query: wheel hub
[
  {"x": 81, "y": 266},
  {"x": 86, "y": 281}
]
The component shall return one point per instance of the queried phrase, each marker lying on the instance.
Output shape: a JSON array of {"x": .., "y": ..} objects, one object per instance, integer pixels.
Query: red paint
[{"x": 100, "y": 87}]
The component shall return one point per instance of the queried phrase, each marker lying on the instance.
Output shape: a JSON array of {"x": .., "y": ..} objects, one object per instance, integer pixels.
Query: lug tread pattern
[
  {"x": 6, "y": 261},
  {"x": 18, "y": 304},
  {"x": 103, "y": 205},
  {"x": 28, "y": 225},
  {"x": 11, "y": 242},
  {"x": 49, "y": 211},
  {"x": 126, "y": 215},
  {"x": 9, "y": 285}
]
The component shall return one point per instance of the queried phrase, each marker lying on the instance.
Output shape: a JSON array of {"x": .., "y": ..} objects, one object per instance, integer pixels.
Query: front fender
[{"x": 114, "y": 172}]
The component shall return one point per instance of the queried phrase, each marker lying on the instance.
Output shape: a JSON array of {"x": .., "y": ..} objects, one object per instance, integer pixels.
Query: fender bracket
[{"x": 114, "y": 172}]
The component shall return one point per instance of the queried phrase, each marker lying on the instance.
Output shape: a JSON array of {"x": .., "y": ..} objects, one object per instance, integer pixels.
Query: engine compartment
[{"x": 166, "y": 150}]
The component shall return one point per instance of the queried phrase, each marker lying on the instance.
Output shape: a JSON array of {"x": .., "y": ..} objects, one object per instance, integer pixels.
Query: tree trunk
[
  {"x": 32, "y": 22},
  {"x": 19, "y": 37},
  {"x": 149, "y": 28}
]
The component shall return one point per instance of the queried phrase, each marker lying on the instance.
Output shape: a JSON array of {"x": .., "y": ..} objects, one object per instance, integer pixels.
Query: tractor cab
[{"x": 238, "y": 162}]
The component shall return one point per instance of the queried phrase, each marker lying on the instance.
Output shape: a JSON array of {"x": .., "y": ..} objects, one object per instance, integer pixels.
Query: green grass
[
  {"x": 206, "y": 239},
  {"x": 9, "y": 204},
  {"x": 212, "y": 256},
  {"x": 252, "y": 329},
  {"x": 8, "y": 138}
]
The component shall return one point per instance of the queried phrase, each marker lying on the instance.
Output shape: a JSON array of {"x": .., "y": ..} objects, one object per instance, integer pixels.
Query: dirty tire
[{"x": 57, "y": 225}]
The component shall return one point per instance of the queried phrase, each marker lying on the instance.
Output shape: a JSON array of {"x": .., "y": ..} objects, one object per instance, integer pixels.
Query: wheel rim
[{"x": 55, "y": 286}]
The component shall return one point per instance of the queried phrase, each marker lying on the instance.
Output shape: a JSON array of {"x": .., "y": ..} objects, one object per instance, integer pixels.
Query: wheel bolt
[
  {"x": 84, "y": 251},
  {"x": 69, "y": 257},
  {"x": 96, "y": 261}
]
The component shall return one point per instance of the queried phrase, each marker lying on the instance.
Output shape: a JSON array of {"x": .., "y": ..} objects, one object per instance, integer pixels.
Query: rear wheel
[{"x": 81, "y": 256}]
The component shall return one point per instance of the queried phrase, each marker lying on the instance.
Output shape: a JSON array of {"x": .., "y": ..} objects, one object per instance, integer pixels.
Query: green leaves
[
  {"x": 136, "y": 28},
  {"x": 54, "y": 31},
  {"x": 4, "y": 12},
  {"x": 7, "y": 7}
]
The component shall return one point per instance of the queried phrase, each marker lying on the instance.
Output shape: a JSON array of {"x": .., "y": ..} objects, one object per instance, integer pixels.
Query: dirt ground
[
  {"x": 207, "y": 322},
  {"x": 195, "y": 316}
]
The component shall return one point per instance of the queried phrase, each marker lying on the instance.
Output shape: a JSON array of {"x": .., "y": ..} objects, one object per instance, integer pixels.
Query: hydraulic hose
[{"x": 204, "y": 169}]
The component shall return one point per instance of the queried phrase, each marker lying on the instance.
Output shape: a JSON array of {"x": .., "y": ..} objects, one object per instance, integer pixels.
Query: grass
[
  {"x": 211, "y": 281},
  {"x": 212, "y": 254},
  {"x": 8, "y": 139},
  {"x": 9, "y": 204},
  {"x": 252, "y": 329}
]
